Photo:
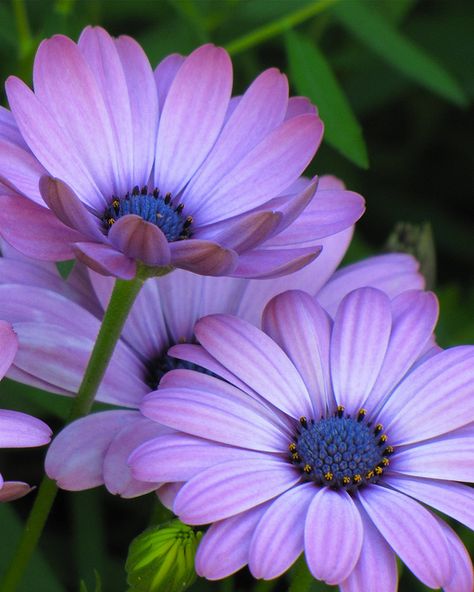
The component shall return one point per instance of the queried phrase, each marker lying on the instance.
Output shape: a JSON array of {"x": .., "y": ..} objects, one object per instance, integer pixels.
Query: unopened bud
[{"x": 162, "y": 558}]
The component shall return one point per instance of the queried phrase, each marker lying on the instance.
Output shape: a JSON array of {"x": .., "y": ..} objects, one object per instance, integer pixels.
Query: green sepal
[{"x": 162, "y": 558}]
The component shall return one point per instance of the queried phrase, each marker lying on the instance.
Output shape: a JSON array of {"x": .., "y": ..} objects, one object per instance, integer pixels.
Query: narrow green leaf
[
  {"x": 313, "y": 77},
  {"x": 380, "y": 36}
]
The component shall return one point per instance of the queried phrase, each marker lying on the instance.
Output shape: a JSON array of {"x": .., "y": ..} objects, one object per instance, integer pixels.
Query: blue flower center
[
  {"x": 152, "y": 207},
  {"x": 340, "y": 451},
  {"x": 159, "y": 367}
]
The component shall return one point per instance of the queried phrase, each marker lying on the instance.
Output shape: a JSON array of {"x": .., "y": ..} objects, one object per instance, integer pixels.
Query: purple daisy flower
[
  {"x": 57, "y": 322},
  {"x": 116, "y": 163},
  {"x": 17, "y": 430},
  {"x": 324, "y": 438}
]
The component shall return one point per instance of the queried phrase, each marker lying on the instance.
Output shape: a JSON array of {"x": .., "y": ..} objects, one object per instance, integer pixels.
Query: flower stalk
[{"x": 121, "y": 302}]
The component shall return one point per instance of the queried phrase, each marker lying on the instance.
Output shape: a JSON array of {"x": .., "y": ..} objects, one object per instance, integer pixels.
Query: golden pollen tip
[
  {"x": 357, "y": 478},
  {"x": 328, "y": 476},
  {"x": 307, "y": 468}
]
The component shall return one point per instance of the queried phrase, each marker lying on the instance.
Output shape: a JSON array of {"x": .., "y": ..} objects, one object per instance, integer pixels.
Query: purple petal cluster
[
  {"x": 57, "y": 321},
  {"x": 17, "y": 430},
  {"x": 326, "y": 437},
  {"x": 113, "y": 163}
]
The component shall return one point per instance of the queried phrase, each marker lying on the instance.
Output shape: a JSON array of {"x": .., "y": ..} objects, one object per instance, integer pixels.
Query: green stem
[
  {"x": 120, "y": 304},
  {"x": 277, "y": 26},
  {"x": 23, "y": 27}
]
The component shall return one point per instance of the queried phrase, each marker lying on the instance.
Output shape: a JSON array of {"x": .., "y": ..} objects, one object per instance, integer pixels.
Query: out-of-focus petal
[
  {"x": 34, "y": 230},
  {"x": 19, "y": 430},
  {"x": 393, "y": 274},
  {"x": 8, "y": 347}
]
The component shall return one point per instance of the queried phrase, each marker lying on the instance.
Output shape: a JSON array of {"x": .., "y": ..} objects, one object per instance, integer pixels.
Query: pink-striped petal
[
  {"x": 20, "y": 170},
  {"x": 218, "y": 412},
  {"x": 260, "y": 110},
  {"x": 224, "y": 548},
  {"x": 333, "y": 535},
  {"x": 411, "y": 531},
  {"x": 359, "y": 341},
  {"x": 65, "y": 83},
  {"x": 278, "y": 539},
  {"x": 233, "y": 487},
  {"x": 268, "y": 169},
  {"x": 414, "y": 316},
  {"x": 439, "y": 391},
  {"x": 303, "y": 330},
  {"x": 454, "y": 499},
  {"x": 374, "y": 552},
  {"x": 462, "y": 576},
  {"x": 192, "y": 116},
  {"x": 179, "y": 457},
  {"x": 164, "y": 75},
  {"x": 265, "y": 367}
]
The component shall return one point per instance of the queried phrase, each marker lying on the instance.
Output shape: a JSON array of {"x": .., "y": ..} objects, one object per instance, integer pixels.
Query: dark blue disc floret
[
  {"x": 152, "y": 207},
  {"x": 340, "y": 451}
]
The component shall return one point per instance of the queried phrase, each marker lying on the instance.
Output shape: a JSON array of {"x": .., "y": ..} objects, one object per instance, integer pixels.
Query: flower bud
[{"x": 162, "y": 558}]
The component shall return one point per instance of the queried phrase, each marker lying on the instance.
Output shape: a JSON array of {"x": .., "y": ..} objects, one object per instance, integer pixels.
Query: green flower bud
[
  {"x": 417, "y": 240},
  {"x": 162, "y": 558}
]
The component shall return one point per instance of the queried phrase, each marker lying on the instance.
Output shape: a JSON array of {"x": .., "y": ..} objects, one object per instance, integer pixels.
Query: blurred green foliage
[{"x": 393, "y": 80}]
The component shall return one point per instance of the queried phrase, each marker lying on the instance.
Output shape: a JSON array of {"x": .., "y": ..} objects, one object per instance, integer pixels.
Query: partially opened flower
[
  {"x": 122, "y": 164},
  {"x": 57, "y": 322},
  {"x": 324, "y": 438},
  {"x": 17, "y": 430}
]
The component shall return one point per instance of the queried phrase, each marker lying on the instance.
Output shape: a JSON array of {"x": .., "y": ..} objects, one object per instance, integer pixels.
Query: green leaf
[
  {"x": 98, "y": 584},
  {"x": 301, "y": 580},
  {"x": 313, "y": 77},
  {"x": 161, "y": 559},
  {"x": 38, "y": 575},
  {"x": 380, "y": 36}
]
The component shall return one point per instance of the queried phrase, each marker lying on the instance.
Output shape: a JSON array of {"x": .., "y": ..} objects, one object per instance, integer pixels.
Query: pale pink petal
[
  {"x": 164, "y": 75},
  {"x": 20, "y": 170}
]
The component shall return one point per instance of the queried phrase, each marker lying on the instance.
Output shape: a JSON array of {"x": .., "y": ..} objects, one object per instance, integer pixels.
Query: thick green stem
[{"x": 120, "y": 304}]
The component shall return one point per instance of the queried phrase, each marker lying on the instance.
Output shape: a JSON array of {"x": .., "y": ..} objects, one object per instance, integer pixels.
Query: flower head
[
  {"x": 17, "y": 430},
  {"x": 324, "y": 438},
  {"x": 47, "y": 312},
  {"x": 123, "y": 165}
]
